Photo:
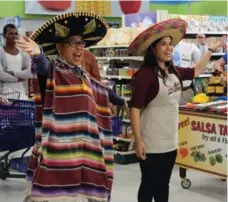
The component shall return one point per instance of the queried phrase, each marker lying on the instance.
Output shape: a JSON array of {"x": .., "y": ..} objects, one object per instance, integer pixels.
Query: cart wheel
[
  {"x": 186, "y": 183},
  {"x": 4, "y": 173}
]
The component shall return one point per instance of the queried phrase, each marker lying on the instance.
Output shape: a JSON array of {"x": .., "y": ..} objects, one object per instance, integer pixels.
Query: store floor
[{"x": 205, "y": 188}]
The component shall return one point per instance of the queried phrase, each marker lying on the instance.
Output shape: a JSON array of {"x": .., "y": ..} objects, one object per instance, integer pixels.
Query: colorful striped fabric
[{"x": 72, "y": 159}]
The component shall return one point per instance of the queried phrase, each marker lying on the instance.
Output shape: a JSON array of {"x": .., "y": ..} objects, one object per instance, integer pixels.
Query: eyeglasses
[{"x": 74, "y": 43}]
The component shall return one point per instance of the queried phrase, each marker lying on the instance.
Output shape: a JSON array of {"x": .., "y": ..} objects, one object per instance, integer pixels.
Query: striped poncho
[{"x": 72, "y": 159}]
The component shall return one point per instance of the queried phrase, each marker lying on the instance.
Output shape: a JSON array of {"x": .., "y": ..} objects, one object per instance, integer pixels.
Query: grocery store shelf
[
  {"x": 113, "y": 46},
  {"x": 138, "y": 58},
  {"x": 116, "y": 77},
  {"x": 204, "y": 75},
  {"x": 127, "y": 98},
  {"x": 125, "y": 152},
  {"x": 218, "y": 54},
  {"x": 126, "y": 120},
  {"x": 122, "y": 139},
  {"x": 207, "y": 33}
]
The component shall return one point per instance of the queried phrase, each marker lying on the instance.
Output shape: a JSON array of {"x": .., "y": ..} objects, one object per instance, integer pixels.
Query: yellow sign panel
[
  {"x": 100, "y": 7},
  {"x": 203, "y": 144}
]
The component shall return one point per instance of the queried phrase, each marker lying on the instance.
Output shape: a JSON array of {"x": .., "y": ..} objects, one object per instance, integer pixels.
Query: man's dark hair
[{"x": 6, "y": 27}]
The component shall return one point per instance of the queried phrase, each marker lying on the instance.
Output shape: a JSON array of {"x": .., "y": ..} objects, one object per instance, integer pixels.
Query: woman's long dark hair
[{"x": 151, "y": 61}]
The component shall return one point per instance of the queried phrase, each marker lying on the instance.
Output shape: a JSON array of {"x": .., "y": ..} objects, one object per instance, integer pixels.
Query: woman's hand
[
  {"x": 140, "y": 149},
  {"x": 215, "y": 44},
  {"x": 28, "y": 45},
  {"x": 202, "y": 63}
]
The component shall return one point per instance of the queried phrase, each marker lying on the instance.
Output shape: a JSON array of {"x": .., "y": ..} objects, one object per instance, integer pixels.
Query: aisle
[{"x": 205, "y": 188}]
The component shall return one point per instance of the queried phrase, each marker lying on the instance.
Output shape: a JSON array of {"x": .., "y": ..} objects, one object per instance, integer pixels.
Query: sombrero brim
[
  {"x": 88, "y": 25},
  {"x": 175, "y": 28}
]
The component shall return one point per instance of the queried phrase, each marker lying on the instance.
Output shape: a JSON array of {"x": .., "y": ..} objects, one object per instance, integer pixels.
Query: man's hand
[{"x": 28, "y": 45}]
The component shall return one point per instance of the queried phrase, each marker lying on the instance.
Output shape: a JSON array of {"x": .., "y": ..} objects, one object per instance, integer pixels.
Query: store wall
[
  {"x": 218, "y": 8},
  {"x": 31, "y": 22},
  {"x": 16, "y": 8}
]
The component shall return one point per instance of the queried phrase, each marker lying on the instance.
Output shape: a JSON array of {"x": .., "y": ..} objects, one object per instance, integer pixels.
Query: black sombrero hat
[{"x": 88, "y": 25}]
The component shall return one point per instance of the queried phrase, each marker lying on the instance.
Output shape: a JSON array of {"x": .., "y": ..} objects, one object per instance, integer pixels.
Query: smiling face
[
  {"x": 72, "y": 50},
  {"x": 163, "y": 50}
]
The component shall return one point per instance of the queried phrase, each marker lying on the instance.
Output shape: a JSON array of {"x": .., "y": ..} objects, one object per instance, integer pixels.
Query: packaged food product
[
  {"x": 124, "y": 90},
  {"x": 118, "y": 89},
  {"x": 219, "y": 89}
]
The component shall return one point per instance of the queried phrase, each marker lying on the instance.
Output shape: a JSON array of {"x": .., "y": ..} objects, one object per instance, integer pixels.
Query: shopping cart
[
  {"x": 13, "y": 95},
  {"x": 17, "y": 132},
  {"x": 117, "y": 122},
  {"x": 116, "y": 125}
]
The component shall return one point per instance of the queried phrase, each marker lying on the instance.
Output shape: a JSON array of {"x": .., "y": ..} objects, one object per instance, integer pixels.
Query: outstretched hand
[{"x": 29, "y": 46}]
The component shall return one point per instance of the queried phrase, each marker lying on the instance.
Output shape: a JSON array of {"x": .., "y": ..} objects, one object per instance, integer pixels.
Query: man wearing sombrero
[
  {"x": 72, "y": 158},
  {"x": 156, "y": 89}
]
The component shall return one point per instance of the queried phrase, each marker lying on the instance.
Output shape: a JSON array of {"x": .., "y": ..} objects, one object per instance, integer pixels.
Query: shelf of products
[
  {"x": 121, "y": 58},
  {"x": 206, "y": 75},
  {"x": 125, "y": 157},
  {"x": 122, "y": 139},
  {"x": 116, "y": 77},
  {"x": 112, "y": 46},
  {"x": 127, "y": 98},
  {"x": 125, "y": 153},
  {"x": 116, "y": 70},
  {"x": 126, "y": 120},
  {"x": 218, "y": 54},
  {"x": 217, "y": 33}
]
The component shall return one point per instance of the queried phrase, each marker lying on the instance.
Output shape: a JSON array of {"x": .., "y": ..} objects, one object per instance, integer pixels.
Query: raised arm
[
  {"x": 220, "y": 63},
  {"x": 39, "y": 59},
  {"x": 202, "y": 63}
]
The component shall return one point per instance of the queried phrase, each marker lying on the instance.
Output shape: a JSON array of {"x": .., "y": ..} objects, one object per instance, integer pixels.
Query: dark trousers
[{"x": 156, "y": 172}]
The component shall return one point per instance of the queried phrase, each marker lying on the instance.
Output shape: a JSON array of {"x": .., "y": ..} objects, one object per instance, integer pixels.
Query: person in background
[
  {"x": 221, "y": 65},
  {"x": 91, "y": 64},
  {"x": 156, "y": 90},
  {"x": 201, "y": 43},
  {"x": 187, "y": 55},
  {"x": 14, "y": 64}
]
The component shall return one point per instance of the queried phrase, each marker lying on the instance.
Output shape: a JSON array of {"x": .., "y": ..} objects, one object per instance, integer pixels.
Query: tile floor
[{"x": 205, "y": 188}]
